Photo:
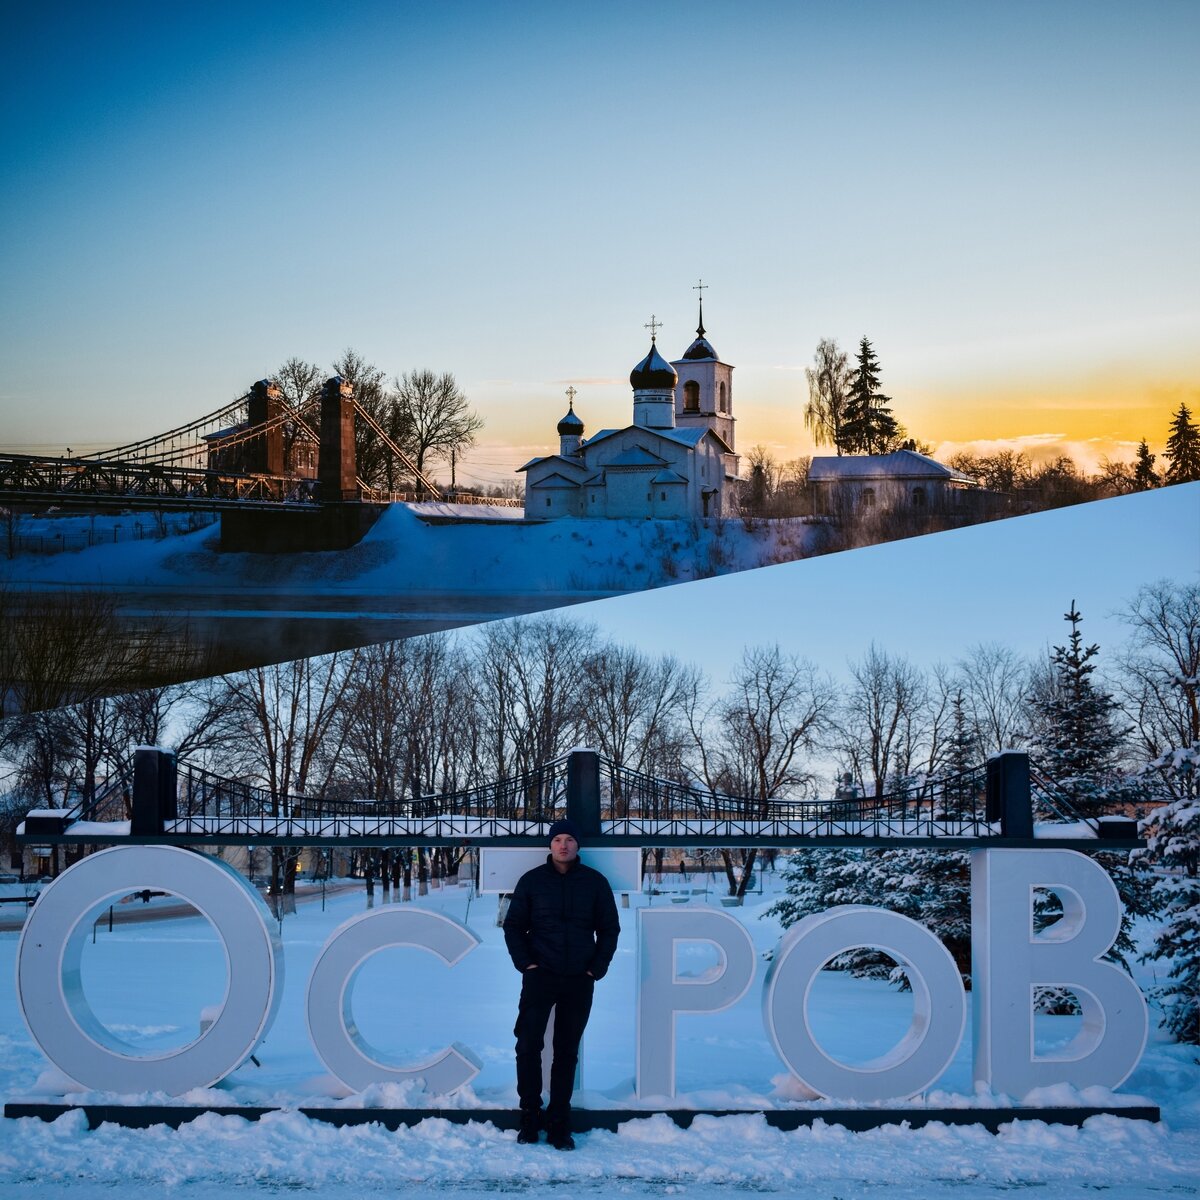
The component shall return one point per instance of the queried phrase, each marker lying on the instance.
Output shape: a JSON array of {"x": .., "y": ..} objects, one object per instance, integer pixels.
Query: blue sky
[
  {"x": 998, "y": 195},
  {"x": 929, "y": 599}
]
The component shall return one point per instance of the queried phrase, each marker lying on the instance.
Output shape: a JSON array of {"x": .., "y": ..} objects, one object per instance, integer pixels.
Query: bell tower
[{"x": 704, "y": 395}]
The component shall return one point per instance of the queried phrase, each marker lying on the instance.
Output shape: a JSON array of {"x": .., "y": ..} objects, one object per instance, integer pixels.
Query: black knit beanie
[{"x": 563, "y": 826}]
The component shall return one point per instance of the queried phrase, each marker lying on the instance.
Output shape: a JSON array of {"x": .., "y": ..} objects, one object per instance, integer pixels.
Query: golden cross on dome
[
  {"x": 571, "y": 394},
  {"x": 700, "y": 288},
  {"x": 653, "y": 325}
]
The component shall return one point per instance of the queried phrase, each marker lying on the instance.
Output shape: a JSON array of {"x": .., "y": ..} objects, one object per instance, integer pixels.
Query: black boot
[
  {"x": 531, "y": 1126},
  {"x": 558, "y": 1133}
]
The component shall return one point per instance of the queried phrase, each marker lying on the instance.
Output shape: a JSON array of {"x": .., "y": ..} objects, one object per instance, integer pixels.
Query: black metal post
[
  {"x": 154, "y": 791},
  {"x": 583, "y": 791},
  {"x": 1008, "y": 796}
]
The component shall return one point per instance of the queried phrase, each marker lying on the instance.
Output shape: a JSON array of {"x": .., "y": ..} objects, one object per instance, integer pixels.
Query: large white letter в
[
  {"x": 51, "y": 994},
  {"x": 336, "y": 1038},
  {"x": 939, "y": 1005},
  {"x": 1009, "y": 961},
  {"x": 663, "y": 992}
]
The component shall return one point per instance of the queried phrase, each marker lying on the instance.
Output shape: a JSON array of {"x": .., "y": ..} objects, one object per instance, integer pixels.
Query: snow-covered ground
[
  {"x": 150, "y": 980},
  {"x": 486, "y": 551}
]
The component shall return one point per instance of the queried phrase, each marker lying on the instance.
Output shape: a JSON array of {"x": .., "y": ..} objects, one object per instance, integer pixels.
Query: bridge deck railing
[
  {"x": 952, "y": 804},
  {"x": 976, "y": 806}
]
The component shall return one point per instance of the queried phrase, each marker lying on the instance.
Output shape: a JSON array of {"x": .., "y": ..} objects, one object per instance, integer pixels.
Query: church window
[
  {"x": 721, "y": 397},
  {"x": 868, "y": 497},
  {"x": 918, "y": 497},
  {"x": 664, "y": 495},
  {"x": 547, "y": 501},
  {"x": 691, "y": 396}
]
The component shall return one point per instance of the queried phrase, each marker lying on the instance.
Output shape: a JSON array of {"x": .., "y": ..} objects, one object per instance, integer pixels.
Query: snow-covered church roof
[
  {"x": 900, "y": 464},
  {"x": 692, "y": 435}
]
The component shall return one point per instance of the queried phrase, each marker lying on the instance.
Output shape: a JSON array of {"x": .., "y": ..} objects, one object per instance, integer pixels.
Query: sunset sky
[{"x": 1001, "y": 196}]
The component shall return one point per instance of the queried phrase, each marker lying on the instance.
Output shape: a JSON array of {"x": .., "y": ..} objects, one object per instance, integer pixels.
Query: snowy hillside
[{"x": 402, "y": 552}]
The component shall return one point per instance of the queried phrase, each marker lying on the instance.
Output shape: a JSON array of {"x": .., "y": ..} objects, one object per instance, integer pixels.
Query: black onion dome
[
  {"x": 570, "y": 423},
  {"x": 701, "y": 348},
  {"x": 653, "y": 372}
]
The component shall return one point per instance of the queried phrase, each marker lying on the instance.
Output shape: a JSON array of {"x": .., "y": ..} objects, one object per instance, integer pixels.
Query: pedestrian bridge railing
[{"x": 990, "y": 803}]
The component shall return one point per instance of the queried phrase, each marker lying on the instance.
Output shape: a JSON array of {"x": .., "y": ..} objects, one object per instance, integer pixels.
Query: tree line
[
  {"x": 847, "y": 410},
  {"x": 776, "y": 488}
]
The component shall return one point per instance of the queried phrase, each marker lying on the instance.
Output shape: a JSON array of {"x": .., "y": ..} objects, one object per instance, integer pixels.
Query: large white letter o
[
  {"x": 56, "y": 1010},
  {"x": 939, "y": 1003}
]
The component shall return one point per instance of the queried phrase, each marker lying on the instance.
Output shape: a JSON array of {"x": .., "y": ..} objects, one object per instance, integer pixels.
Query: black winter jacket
[{"x": 564, "y": 922}]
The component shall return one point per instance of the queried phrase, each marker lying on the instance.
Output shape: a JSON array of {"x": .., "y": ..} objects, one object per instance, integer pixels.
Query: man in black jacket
[{"x": 561, "y": 931}]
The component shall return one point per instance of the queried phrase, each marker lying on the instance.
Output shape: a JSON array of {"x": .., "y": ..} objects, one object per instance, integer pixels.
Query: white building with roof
[
  {"x": 675, "y": 460},
  {"x": 903, "y": 478}
]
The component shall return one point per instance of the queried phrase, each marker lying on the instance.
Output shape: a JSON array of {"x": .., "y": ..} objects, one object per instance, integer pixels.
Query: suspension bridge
[{"x": 257, "y": 452}]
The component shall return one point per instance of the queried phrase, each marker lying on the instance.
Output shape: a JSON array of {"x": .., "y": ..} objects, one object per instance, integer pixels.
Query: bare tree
[
  {"x": 300, "y": 382},
  {"x": 282, "y": 719},
  {"x": 529, "y": 684},
  {"x": 376, "y": 463},
  {"x": 995, "y": 683},
  {"x": 828, "y": 390},
  {"x": 1160, "y": 683},
  {"x": 435, "y": 413},
  {"x": 751, "y": 740},
  {"x": 401, "y": 729},
  {"x": 632, "y": 707},
  {"x": 930, "y": 730},
  {"x": 189, "y": 718},
  {"x": 888, "y": 694}
]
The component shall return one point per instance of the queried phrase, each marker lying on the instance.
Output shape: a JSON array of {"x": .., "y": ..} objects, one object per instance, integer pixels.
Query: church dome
[
  {"x": 570, "y": 424},
  {"x": 653, "y": 373},
  {"x": 700, "y": 349}
]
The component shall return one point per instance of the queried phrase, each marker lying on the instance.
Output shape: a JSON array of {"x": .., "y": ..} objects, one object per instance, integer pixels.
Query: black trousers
[{"x": 570, "y": 996}]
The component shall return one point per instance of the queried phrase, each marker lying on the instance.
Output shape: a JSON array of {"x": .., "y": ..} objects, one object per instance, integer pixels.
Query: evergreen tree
[
  {"x": 1163, "y": 667},
  {"x": 1145, "y": 476},
  {"x": 1183, "y": 448},
  {"x": 930, "y": 886},
  {"x": 1077, "y": 739},
  {"x": 870, "y": 427},
  {"x": 1173, "y": 842}
]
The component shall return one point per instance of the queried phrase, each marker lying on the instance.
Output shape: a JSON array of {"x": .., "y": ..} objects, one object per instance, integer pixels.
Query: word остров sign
[{"x": 1009, "y": 961}]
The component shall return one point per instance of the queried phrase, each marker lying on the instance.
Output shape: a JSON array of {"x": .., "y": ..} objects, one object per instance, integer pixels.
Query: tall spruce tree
[
  {"x": 1183, "y": 448},
  {"x": 1077, "y": 732},
  {"x": 1145, "y": 476},
  {"x": 963, "y": 753},
  {"x": 1078, "y": 740},
  {"x": 870, "y": 427}
]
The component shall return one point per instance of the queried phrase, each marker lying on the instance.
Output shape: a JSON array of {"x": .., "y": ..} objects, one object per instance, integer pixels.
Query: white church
[{"x": 676, "y": 460}]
